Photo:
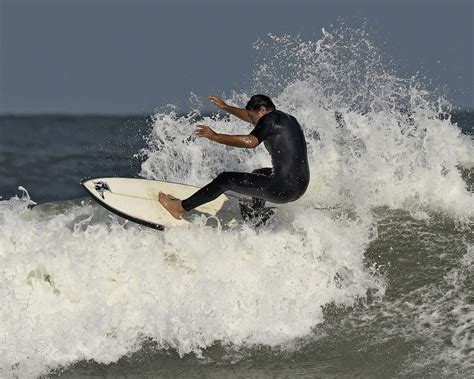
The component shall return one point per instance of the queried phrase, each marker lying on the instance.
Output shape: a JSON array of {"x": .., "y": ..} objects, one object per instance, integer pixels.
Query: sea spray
[{"x": 374, "y": 138}]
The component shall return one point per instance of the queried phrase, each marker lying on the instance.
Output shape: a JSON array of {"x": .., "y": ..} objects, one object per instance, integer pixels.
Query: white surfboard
[{"x": 137, "y": 200}]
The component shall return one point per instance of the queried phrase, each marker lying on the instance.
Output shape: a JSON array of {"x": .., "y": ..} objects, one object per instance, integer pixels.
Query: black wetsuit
[{"x": 285, "y": 182}]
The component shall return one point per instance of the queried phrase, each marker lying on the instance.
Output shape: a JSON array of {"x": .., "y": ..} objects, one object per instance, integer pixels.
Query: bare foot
[{"x": 172, "y": 205}]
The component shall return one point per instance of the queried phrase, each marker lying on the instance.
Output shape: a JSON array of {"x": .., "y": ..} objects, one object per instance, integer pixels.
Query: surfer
[{"x": 282, "y": 136}]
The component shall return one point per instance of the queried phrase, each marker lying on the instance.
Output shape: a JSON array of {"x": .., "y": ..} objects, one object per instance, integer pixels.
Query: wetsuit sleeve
[{"x": 263, "y": 128}]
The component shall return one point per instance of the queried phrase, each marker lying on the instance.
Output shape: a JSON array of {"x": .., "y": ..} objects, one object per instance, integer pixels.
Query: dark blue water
[{"x": 49, "y": 155}]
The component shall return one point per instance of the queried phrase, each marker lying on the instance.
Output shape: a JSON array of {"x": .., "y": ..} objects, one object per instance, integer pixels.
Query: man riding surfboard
[{"x": 282, "y": 136}]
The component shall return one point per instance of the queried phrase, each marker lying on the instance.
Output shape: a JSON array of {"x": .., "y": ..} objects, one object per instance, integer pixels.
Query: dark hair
[{"x": 257, "y": 101}]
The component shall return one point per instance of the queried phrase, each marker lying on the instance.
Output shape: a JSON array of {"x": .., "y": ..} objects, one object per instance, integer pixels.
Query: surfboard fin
[{"x": 256, "y": 213}]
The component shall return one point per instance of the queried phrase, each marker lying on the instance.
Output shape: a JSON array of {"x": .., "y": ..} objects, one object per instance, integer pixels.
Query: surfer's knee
[{"x": 223, "y": 179}]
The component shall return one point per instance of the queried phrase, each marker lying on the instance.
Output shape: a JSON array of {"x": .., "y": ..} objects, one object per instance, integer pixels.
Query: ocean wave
[{"x": 81, "y": 284}]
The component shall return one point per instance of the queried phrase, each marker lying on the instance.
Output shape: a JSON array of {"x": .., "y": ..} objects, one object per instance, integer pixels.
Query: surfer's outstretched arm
[
  {"x": 238, "y": 112},
  {"x": 245, "y": 141}
]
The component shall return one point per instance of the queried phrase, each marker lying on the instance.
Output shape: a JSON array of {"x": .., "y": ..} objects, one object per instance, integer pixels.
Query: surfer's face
[{"x": 255, "y": 115}]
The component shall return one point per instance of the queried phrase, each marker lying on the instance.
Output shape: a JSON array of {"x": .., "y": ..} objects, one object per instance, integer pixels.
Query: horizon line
[
  {"x": 74, "y": 114},
  {"x": 122, "y": 114}
]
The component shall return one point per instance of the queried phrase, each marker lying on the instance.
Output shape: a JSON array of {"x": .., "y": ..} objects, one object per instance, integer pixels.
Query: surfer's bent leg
[
  {"x": 257, "y": 204},
  {"x": 254, "y": 184}
]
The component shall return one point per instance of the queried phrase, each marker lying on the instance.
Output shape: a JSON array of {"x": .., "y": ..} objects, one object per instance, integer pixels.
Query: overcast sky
[{"x": 108, "y": 56}]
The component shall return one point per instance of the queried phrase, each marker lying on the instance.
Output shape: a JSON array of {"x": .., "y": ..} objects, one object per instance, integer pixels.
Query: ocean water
[{"x": 369, "y": 274}]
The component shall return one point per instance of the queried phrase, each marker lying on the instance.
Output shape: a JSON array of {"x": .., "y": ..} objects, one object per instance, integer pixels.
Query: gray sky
[{"x": 107, "y": 56}]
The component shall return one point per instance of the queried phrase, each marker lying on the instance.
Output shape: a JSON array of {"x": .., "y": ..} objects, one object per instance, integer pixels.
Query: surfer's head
[{"x": 258, "y": 106}]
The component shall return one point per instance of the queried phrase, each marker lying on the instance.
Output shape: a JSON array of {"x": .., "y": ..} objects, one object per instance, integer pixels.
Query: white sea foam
[
  {"x": 81, "y": 285},
  {"x": 72, "y": 291},
  {"x": 382, "y": 142}
]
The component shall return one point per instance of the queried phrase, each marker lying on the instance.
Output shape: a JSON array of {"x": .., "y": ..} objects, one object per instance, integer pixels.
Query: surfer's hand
[
  {"x": 205, "y": 131},
  {"x": 217, "y": 101}
]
